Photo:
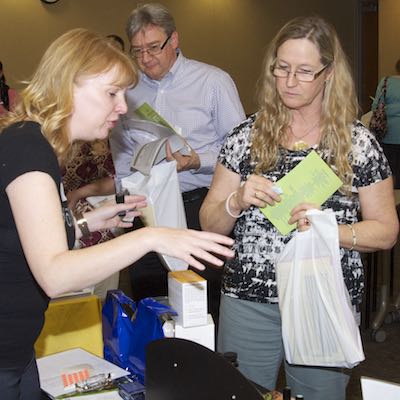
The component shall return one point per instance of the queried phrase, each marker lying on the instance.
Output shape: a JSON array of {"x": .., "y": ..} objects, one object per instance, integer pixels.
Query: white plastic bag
[
  {"x": 164, "y": 202},
  {"x": 318, "y": 325}
]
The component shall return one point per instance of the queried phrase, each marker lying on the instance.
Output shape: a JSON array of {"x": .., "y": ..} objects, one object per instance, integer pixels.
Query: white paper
[
  {"x": 154, "y": 152},
  {"x": 51, "y": 368},
  {"x": 373, "y": 389},
  {"x": 97, "y": 396}
]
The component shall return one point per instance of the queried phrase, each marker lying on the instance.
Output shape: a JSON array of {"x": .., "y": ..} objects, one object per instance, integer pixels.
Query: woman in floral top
[
  {"x": 307, "y": 102},
  {"x": 90, "y": 172}
]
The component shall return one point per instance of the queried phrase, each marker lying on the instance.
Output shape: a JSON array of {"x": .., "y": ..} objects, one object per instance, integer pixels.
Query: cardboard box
[
  {"x": 187, "y": 294},
  {"x": 204, "y": 334}
]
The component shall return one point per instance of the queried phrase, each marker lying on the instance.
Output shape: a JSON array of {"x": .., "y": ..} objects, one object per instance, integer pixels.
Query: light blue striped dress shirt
[{"x": 200, "y": 100}]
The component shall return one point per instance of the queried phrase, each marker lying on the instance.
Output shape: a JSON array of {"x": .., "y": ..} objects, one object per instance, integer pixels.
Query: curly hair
[
  {"x": 339, "y": 108},
  {"x": 48, "y": 97}
]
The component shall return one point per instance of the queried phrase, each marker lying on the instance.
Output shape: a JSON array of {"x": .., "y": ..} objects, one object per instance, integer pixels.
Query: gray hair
[{"x": 150, "y": 14}]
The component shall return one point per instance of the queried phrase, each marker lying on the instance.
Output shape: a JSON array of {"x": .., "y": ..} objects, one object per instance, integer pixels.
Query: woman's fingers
[
  {"x": 300, "y": 220},
  {"x": 303, "y": 224},
  {"x": 133, "y": 199},
  {"x": 127, "y": 208},
  {"x": 208, "y": 242},
  {"x": 127, "y": 220},
  {"x": 267, "y": 196},
  {"x": 303, "y": 207},
  {"x": 298, "y": 215},
  {"x": 260, "y": 192},
  {"x": 192, "y": 246}
]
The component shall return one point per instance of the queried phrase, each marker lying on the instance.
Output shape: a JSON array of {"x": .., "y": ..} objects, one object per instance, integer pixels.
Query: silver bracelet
[
  {"x": 354, "y": 237},
  {"x": 228, "y": 210}
]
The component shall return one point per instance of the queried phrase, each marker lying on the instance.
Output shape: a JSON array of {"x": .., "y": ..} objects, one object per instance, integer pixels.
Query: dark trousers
[
  {"x": 20, "y": 383},
  {"x": 149, "y": 276}
]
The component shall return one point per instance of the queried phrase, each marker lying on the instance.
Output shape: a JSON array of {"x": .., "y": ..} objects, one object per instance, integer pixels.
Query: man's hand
[{"x": 183, "y": 163}]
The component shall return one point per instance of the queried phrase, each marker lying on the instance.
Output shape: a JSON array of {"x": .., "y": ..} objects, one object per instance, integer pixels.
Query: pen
[{"x": 120, "y": 195}]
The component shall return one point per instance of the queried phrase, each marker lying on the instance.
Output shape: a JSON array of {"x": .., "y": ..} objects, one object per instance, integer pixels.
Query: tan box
[{"x": 187, "y": 294}]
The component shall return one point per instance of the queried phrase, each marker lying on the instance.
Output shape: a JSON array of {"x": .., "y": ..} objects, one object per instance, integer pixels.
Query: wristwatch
[{"x": 82, "y": 224}]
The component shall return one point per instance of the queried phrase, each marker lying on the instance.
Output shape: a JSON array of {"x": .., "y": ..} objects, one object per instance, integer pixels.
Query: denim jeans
[{"x": 20, "y": 383}]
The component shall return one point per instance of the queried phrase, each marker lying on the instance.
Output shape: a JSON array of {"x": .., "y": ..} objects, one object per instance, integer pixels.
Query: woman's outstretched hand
[
  {"x": 106, "y": 216},
  {"x": 192, "y": 246}
]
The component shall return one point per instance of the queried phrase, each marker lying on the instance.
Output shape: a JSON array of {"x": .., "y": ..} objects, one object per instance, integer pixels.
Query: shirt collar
[
  {"x": 169, "y": 76},
  {"x": 177, "y": 64}
]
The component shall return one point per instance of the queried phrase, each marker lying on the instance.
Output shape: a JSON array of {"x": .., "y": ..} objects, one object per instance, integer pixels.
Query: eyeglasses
[
  {"x": 153, "y": 50},
  {"x": 301, "y": 76}
]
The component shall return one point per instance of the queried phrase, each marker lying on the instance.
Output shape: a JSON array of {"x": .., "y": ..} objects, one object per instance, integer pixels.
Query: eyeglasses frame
[
  {"x": 146, "y": 50},
  {"x": 315, "y": 74}
]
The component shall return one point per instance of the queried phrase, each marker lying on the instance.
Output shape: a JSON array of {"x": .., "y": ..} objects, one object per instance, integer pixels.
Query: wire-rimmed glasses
[
  {"x": 152, "y": 50},
  {"x": 300, "y": 75}
]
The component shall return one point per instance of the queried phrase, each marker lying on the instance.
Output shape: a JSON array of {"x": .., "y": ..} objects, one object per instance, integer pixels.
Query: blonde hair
[
  {"x": 339, "y": 108},
  {"x": 48, "y": 97}
]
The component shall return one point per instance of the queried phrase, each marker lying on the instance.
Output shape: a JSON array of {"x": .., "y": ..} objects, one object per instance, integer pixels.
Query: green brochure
[
  {"x": 148, "y": 113},
  {"x": 311, "y": 181}
]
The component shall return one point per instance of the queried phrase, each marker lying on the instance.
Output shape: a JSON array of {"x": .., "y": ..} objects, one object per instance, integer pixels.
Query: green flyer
[{"x": 311, "y": 181}]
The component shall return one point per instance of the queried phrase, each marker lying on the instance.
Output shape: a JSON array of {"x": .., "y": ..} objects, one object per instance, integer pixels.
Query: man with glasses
[{"x": 200, "y": 101}]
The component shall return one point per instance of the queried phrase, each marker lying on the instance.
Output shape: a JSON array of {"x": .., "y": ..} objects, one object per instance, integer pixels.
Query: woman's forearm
[
  {"x": 215, "y": 218},
  {"x": 368, "y": 236}
]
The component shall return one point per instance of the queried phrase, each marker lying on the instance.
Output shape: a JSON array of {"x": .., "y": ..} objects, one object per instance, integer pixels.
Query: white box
[
  {"x": 187, "y": 294},
  {"x": 203, "y": 334}
]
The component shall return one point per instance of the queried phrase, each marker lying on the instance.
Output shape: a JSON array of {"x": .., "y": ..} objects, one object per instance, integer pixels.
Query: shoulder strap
[
  {"x": 384, "y": 87},
  {"x": 382, "y": 94}
]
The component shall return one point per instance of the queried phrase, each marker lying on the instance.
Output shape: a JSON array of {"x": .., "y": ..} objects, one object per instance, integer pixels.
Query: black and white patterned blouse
[{"x": 251, "y": 274}]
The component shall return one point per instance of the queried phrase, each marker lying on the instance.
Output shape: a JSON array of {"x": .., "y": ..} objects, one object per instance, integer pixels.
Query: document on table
[
  {"x": 373, "y": 389},
  {"x": 106, "y": 395},
  {"x": 311, "y": 181},
  {"x": 59, "y": 372}
]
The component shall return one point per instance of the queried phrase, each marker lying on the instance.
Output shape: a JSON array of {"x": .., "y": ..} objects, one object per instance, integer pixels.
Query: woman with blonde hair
[
  {"x": 77, "y": 93},
  {"x": 307, "y": 102}
]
